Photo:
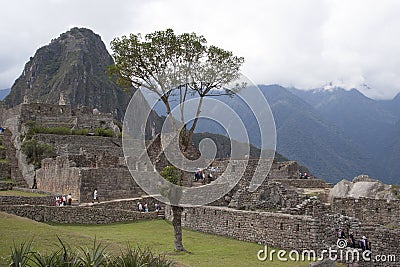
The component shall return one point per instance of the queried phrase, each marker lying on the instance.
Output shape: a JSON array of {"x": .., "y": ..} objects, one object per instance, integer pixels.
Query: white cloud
[{"x": 295, "y": 43}]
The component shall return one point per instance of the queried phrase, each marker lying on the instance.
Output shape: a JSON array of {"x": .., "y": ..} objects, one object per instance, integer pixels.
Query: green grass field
[{"x": 205, "y": 250}]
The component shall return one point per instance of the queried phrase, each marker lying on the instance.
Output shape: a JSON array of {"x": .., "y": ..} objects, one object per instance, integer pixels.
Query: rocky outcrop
[{"x": 362, "y": 186}]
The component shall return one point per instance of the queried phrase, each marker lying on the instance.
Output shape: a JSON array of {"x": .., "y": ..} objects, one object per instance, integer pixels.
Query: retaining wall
[
  {"x": 79, "y": 215},
  {"x": 306, "y": 183},
  {"x": 274, "y": 229},
  {"x": 19, "y": 200},
  {"x": 369, "y": 211}
]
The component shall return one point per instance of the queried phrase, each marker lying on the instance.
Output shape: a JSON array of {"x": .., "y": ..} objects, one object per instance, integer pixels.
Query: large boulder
[{"x": 362, "y": 186}]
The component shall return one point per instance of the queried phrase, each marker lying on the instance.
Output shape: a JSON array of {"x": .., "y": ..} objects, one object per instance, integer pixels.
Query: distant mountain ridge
[
  {"x": 371, "y": 124},
  {"x": 72, "y": 66}
]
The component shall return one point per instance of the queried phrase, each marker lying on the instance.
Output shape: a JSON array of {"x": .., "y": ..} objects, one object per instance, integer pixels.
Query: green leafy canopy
[{"x": 163, "y": 61}]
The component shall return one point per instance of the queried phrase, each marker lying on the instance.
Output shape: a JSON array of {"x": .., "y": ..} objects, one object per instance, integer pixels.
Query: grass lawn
[
  {"x": 206, "y": 250},
  {"x": 20, "y": 193}
]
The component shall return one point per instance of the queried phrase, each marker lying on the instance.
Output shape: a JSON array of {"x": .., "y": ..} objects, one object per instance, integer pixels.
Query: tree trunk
[{"x": 177, "y": 223}]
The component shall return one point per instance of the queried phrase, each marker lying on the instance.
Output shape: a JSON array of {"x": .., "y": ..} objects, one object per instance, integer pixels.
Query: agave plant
[
  {"x": 94, "y": 257},
  {"x": 20, "y": 254},
  {"x": 64, "y": 256},
  {"x": 138, "y": 257}
]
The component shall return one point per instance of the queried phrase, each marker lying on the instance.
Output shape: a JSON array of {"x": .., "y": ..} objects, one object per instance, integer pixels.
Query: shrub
[
  {"x": 171, "y": 174},
  {"x": 104, "y": 132},
  {"x": 80, "y": 131},
  {"x": 35, "y": 152},
  {"x": 119, "y": 124}
]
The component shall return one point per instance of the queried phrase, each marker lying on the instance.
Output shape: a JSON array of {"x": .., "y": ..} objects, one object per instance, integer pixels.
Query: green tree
[
  {"x": 36, "y": 151},
  {"x": 169, "y": 64}
]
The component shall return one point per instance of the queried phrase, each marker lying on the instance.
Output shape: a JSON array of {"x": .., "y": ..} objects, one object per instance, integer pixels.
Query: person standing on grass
[{"x": 95, "y": 196}]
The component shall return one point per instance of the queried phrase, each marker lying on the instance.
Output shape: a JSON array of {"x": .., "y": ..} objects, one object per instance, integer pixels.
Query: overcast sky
[{"x": 305, "y": 44}]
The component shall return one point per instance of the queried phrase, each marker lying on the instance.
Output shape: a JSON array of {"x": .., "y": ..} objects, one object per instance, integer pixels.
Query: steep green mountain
[
  {"x": 72, "y": 66},
  {"x": 4, "y": 93}
]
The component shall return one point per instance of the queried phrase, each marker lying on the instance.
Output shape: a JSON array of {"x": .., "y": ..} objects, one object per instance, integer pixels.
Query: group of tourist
[
  {"x": 304, "y": 175},
  {"x": 363, "y": 243},
  {"x": 144, "y": 207},
  {"x": 63, "y": 200},
  {"x": 200, "y": 175}
]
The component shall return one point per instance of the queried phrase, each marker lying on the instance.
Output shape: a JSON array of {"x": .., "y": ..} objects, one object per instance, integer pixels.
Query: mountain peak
[{"x": 73, "y": 66}]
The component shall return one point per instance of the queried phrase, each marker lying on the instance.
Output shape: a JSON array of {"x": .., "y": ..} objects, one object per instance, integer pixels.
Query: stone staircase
[
  {"x": 5, "y": 170},
  {"x": 161, "y": 214},
  {"x": 12, "y": 161}
]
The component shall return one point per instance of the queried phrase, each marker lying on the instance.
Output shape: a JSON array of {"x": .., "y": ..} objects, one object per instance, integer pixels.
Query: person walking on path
[{"x": 95, "y": 196}]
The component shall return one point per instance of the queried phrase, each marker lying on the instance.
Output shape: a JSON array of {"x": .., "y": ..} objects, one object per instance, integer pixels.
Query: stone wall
[
  {"x": 111, "y": 183},
  {"x": 79, "y": 215},
  {"x": 81, "y": 144},
  {"x": 274, "y": 229},
  {"x": 386, "y": 242},
  {"x": 270, "y": 195},
  {"x": 306, "y": 183},
  {"x": 60, "y": 175},
  {"x": 29, "y": 112},
  {"x": 5, "y": 171},
  {"x": 130, "y": 204},
  {"x": 56, "y": 175},
  {"x": 284, "y": 170},
  {"x": 20, "y": 171},
  {"x": 2, "y": 150},
  {"x": 369, "y": 211},
  {"x": 51, "y": 115},
  {"x": 20, "y": 200}
]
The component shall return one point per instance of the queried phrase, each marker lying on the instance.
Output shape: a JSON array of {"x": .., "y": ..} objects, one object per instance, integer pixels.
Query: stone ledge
[{"x": 78, "y": 215}]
